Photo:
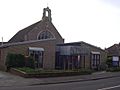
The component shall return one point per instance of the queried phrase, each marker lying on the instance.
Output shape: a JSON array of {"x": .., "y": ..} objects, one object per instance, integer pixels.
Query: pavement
[{"x": 9, "y": 80}]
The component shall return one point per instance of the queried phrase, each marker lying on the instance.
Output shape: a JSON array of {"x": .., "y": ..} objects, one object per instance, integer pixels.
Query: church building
[
  {"x": 44, "y": 43},
  {"x": 37, "y": 40}
]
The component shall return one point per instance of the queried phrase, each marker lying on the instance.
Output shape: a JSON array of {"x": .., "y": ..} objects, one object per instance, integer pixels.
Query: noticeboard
[{"x": 115, "y": 58}]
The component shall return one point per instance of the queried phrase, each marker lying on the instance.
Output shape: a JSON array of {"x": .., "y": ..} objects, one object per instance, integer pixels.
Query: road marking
[{"x": 108, "y": 88}]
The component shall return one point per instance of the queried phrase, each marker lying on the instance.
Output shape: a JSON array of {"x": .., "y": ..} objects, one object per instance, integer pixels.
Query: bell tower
[{"x": 47, "y": 14}]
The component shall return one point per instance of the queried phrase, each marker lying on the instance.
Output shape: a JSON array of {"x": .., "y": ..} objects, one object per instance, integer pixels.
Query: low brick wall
[
  {"x": 18, "y": 72},
  {"x": 45, "y": 75}
]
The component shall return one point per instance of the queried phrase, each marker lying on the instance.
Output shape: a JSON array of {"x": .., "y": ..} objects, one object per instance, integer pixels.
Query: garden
[
  {"x": 24, "y": 66},
  {"x": 111, "y": 67}
]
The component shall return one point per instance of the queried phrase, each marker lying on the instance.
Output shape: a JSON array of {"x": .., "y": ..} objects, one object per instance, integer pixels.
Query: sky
[{"x": 93, "y": 21}]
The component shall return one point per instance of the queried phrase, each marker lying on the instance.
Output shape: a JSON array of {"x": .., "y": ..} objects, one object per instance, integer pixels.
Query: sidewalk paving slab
[{"x": 7, "y": 79}]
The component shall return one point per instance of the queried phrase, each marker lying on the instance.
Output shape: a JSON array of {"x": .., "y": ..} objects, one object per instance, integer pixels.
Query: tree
[{"x": 109, "y": 61}]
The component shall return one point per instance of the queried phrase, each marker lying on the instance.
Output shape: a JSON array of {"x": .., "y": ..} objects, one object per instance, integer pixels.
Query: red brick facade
[{"x": 28, "y": 37}]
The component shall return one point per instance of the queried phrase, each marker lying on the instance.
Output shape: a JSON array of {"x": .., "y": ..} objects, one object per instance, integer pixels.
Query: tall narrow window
[{"x": 95, "y": 59}]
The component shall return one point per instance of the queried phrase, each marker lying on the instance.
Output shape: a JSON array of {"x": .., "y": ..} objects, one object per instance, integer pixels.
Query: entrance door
[
  {"x": 38, "y": 59},
  {"x": 37, "y": 54}
]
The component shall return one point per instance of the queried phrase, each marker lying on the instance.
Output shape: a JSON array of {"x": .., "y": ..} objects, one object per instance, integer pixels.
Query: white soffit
[
  {"x": 36, "y": 49},
  {"x": 93, "y": 52}
]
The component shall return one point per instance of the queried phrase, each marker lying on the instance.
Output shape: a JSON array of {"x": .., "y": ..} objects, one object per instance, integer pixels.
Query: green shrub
[
  {"x": 15, "y": 60},
  {"x": 26, "y": 69},
  {"x": 84, "y": 71},
  {"x": 103, "y": 66},
  {"x": 55, "y": 72},
  {"x": 113, "y": 69},
  {"x": 109, "y": 62}
]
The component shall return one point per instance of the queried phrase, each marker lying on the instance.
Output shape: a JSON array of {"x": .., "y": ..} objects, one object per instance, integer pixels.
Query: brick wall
[
  {"x": 103, "y": 54},
  {"x": 33, "y": 34},
  {"x": 49, "y": 52}
]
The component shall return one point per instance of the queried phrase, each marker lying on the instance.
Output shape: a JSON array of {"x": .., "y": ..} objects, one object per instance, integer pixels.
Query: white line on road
[{"x": 108, "y": 88}]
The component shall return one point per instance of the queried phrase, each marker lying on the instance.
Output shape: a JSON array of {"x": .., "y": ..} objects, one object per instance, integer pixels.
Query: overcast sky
[{"x": 94, "y": 21}]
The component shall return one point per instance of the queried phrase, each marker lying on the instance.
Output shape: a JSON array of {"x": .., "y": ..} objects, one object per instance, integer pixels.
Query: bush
[
  {"x": 26, "y": 69},
  {"x": 109, "y": 62},
  {"x": 113, "y": 69},
  {"x": 84, "y": 71},
  {"x": 102, "y": 66},
  {"x": 55, "y": 72},
  {"x": 15, "y": 60}
]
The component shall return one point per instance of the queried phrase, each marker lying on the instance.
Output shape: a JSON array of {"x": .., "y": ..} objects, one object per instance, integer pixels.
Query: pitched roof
[
  {"x": 22, "y": 35},
  {"x": 114, "y": 50},
  {"x": 19, "y": 36}
]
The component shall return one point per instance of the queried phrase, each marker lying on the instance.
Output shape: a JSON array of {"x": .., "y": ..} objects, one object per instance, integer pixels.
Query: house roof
[
  {"x": 2, "y": 43},
  {"x": 25, "y": 42},
  {"x": 78, "y": 44},
  {"x": 114, "y": 50}
]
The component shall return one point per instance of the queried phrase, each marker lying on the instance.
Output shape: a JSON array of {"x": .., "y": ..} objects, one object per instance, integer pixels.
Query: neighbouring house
[
  {"x": 78, "y": 55},
  {"x": 37, "y": 40},
  {"x": 114, "y": 53}
]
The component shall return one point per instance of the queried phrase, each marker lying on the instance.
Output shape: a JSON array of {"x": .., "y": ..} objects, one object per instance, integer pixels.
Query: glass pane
[{"x": 45, "y": 35}]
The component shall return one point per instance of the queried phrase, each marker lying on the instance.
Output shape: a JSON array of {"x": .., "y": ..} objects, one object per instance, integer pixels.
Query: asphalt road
[{"x": 102, "y": 84}]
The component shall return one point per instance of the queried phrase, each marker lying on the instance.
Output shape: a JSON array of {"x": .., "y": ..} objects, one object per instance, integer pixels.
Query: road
[{"x": 102, "y": 84}]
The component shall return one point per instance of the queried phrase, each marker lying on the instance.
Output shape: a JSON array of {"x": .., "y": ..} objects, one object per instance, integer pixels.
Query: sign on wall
[
  {"x": 115, "y": 58},
  {"x": 115, "y": 61}
]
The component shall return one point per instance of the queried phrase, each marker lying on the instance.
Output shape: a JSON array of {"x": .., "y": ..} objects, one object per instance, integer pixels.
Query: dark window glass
[
  {"x": 38, "y": 57},
  {"x": 95, "y": 59},
  {"x": 45, "y": 35}
]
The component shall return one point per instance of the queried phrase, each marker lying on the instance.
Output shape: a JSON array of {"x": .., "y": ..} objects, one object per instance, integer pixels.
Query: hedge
[
  {"x": 113, "y": 69},
  {"x": 65, "y": 72},
  {"x": 15, "y": 60}
]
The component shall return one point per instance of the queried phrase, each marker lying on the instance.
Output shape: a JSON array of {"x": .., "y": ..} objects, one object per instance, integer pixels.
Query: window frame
[{"x": 45, "y": 35}]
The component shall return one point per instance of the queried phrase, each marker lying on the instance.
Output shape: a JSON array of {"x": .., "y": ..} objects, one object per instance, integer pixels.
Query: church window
[{"x": 45, "y": 35}]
